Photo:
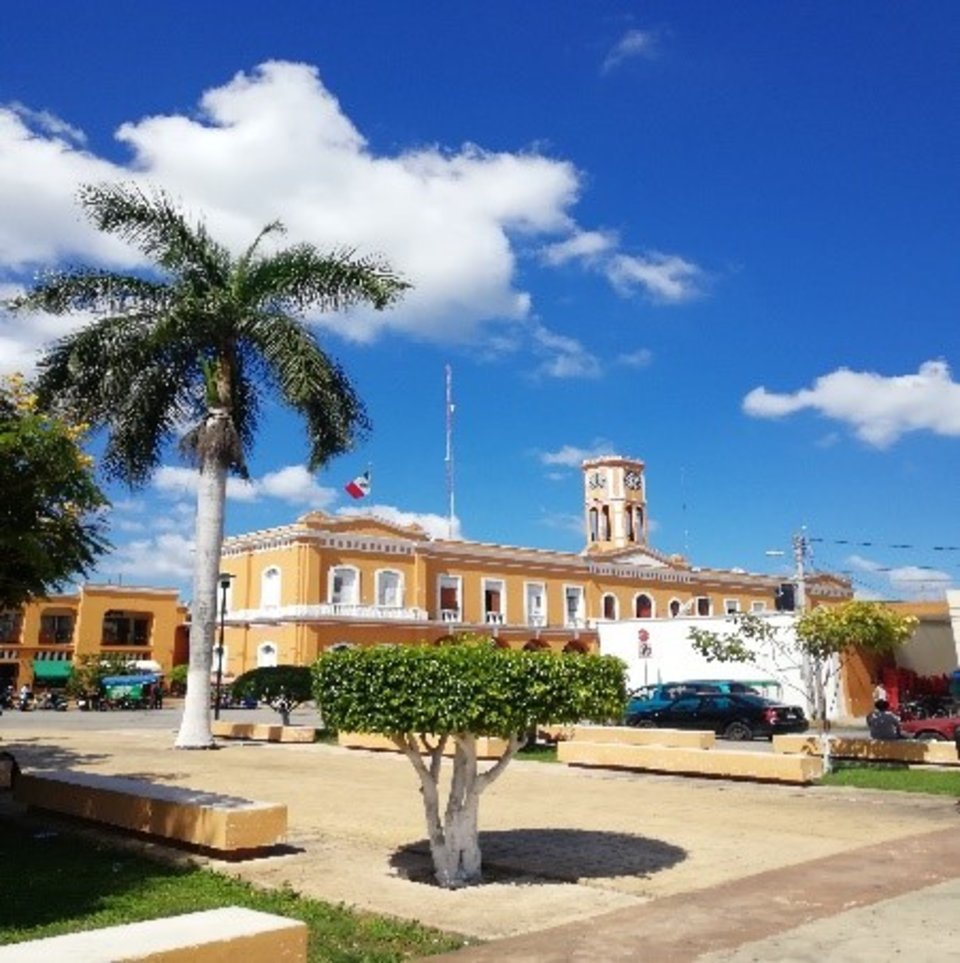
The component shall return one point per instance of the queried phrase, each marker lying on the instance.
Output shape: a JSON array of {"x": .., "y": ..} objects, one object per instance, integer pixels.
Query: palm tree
[{"x": 200, "y": 342}]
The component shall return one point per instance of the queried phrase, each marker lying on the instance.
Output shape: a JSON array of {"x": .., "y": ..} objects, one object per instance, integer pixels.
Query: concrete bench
[
  {"x": 632, "y": 736},
  {"x": 910, "y": 751},
  {"x": 487, "y": 747},
  {"x": 729, "y": 763},
  {"x": 211, "y": 936},
  {"x": 262, "y": 731},
  {"x": 225, "y": 824}
]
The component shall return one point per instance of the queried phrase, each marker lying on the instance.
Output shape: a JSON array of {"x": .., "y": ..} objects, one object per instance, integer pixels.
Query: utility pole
[
  {"x": 800, "y": 549},
  {"x": 448, "y": 460}
]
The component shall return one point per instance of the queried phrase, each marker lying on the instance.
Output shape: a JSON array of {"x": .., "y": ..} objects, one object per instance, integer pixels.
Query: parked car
[
  {"x": 665, "y": 692},
  {"x": 934, "y": 728},
  {"x": 730, "y": 715}
]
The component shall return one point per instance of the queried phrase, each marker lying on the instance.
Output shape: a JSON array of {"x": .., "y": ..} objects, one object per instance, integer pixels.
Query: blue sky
[{"x": 718, "y": 237}]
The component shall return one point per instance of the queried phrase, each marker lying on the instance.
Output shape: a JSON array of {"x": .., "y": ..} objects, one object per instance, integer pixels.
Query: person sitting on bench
[{"x": 883, "y": 723}]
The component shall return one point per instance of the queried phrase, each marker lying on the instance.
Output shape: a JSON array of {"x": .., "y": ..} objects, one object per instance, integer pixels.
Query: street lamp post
[{"x": 225, "y": 578}]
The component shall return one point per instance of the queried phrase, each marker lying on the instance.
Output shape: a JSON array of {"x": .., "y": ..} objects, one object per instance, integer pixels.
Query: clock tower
[{"x": 615, "y": 503}]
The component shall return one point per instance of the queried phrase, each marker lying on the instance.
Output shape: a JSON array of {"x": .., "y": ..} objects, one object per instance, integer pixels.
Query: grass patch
[
  {"x": 58, "y": 882},
  {"x": 538, "y": 753},
  {"x": 893, "y": 775}
]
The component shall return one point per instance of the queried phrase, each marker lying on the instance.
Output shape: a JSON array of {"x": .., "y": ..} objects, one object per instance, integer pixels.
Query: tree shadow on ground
[
  {"x": 35, "y": 753},
  {"x": 551, "y": 855}
]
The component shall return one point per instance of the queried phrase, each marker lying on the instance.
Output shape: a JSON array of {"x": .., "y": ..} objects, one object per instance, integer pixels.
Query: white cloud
[
  {"x": 879, "y": 409},
  {"x": 634, "y": 43},
  {"x": 166, "y": 558},
  {"x": 581, "y": 246},
  {"x": 667, "y": 278},
  {"x": 296, "y": 485},
  {"x": 572, "y": 457},
  {"x": 292, "y": 483},
  {"x": 641, "y": 358},
  {"x": 565, "y": 357},
  {"x": 276, "y": 143},
  {"x": 908, "y": 582},
  {"x": 436, "y": 526}
]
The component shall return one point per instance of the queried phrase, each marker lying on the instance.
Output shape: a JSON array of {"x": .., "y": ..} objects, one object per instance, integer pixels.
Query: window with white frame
[
  {"x": 609, "y": 606},
  {"x": 344, "y": 586},
  {"x": 535, "y": 601},
  {"x": 675, "y": 608},
  {"x": 758, "y": 605},
  {"x": 270, "y": 588},
  {"x": 643, "y": 606},
  {"x": 448, "y": 588},
  {"x": 731, "y": 606},
  {"x": 702, "y": 605},
  {"x": 573, "y": 604},
  {"x": 494, "y": 601},
  {"x": 389, "y": 588},
  {"x": 266, "y": 655}
]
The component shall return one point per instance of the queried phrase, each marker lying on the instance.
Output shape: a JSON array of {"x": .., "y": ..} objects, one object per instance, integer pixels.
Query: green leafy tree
[
  {"x": 51, "y": 525},
  {"x": 431, "y": 699},
  {"x": 282, "y": 687},
  {"x": 204, "y": 339},
  {"x": 89, "y": 671},
  {"x": 823, "y": 638}
]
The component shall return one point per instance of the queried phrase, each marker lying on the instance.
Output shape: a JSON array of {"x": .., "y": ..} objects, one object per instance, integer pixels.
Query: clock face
[
  {"x": 596, "y": 480},
  {"x": 633, "y": 480}
]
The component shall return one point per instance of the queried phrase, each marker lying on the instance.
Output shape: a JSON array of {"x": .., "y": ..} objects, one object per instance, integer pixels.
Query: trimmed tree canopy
[
  {"x": 270, "y": 683},
  {"x": 472, "y": 687}
]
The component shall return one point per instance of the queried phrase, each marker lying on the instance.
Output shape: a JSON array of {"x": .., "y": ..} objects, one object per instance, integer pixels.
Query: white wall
[{"x": 672, "y": 658}]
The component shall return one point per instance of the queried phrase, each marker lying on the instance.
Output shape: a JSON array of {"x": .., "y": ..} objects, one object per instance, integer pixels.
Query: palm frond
[
  {"x": 300, "y": 277},
  {"x": 154, "y": 224},
  {"x": 312, "y": 383},
  {"x": 87, "y": 289}
]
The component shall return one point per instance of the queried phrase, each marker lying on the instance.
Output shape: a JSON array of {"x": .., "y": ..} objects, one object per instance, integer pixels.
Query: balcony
[
  {"x": 494, "y": 618},
  {"x": 348, "y": 611},
  {"x": 450, "y": 615}
]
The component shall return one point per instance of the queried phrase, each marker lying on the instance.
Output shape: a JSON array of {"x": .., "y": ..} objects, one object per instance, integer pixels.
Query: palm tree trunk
[{"x": 195, "y": 730}]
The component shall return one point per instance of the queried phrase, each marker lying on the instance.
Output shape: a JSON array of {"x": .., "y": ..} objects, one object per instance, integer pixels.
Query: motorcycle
[{"x": 52, "y": 701}]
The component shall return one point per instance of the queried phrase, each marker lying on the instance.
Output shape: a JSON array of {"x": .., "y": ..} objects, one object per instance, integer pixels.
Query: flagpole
[{"x": 449, "y": 455}]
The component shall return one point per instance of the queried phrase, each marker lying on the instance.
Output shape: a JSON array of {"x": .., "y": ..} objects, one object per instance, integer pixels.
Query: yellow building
[
  {"x": 327, "y": 581},
  {"x": 39, "y": 642}
]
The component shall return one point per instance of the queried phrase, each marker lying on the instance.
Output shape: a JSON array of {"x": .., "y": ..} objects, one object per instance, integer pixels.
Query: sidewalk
[{"x": 584, "y": 864}]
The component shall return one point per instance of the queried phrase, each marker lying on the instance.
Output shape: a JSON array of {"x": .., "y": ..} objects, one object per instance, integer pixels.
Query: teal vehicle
[{"x": 663, "y": 693}]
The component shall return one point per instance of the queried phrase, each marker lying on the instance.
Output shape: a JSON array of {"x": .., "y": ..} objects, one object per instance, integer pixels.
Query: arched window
[
  {"x": 575, "y": 646},
  {"x": 643, "y": 606},
  {"x": 674, "y": 608},
  {"x": 609, "y": 606},
  {"x": 605, "y": 524},
  {"x": 340, "y": 646},
  {"x": 344, "y": 585},
  {"x": 266, "y": 655},
  {"x": 389, "y": 588},
  {"x": 535, "y": 645},
  {"x": 593, "y": 525},
  {"x": 270, "y": 588}
]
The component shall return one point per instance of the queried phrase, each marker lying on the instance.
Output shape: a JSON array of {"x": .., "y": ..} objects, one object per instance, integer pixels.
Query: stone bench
[
  {"x": 633, "y": 736},
  {"x": 225, "y": 824},
  {"x": 210, "y": 936},
  {"x": 910, "y": 751},
  {"x": 487, "y": 747},
  {"x": 691, "y": 761},
  {"x": 262, "y": 731}
]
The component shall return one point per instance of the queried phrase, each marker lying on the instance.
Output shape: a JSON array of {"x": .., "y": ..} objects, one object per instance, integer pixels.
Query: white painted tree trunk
[
  {"x": 211, "y": 496},
  {"x": 455, "y": 838}
]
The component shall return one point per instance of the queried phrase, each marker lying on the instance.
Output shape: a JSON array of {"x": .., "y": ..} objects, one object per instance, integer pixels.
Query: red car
[{"x": 935, "y": 728}]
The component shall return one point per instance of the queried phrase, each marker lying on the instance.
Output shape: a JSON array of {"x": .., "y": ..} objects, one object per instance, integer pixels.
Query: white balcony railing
[
  {"x": 449, "y": 615},
  {"x": 494, "y": 618}
]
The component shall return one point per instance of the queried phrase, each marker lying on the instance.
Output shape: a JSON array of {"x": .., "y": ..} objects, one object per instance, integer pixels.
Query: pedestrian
[
  {"x": 883, "y": 723},
  {"x": 879, "y": 691}
]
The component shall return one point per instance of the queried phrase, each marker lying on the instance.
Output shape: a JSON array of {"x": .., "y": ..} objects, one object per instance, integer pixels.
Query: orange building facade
[
  {"x": 324, "y": 581},
  {"x": 39, "y": 643}
]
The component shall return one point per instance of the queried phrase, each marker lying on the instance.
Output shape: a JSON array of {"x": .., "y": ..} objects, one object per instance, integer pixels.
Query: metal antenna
[{"x": 449, "y": 455}]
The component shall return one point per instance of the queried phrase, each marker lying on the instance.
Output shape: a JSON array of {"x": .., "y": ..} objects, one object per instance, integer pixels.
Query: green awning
[{"x": 51, "y": 670}]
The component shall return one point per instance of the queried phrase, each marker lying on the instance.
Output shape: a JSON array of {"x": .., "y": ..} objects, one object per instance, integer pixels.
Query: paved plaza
[{"x": 583, "y": 864}]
